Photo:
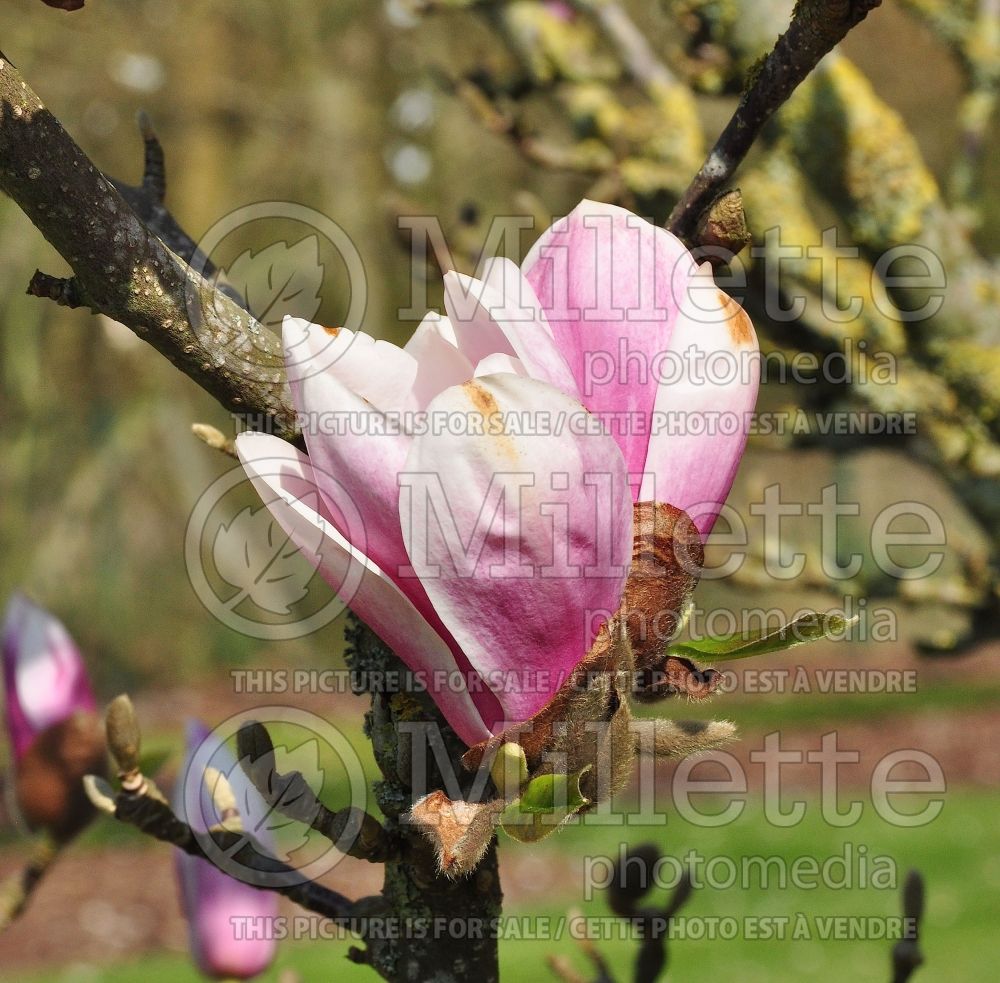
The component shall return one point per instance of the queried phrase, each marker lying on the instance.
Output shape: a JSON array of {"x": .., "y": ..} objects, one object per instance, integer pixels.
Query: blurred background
[{"x": 368, "y": 111}]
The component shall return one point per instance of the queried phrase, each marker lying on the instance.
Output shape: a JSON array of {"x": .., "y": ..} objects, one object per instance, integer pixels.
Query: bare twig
[
  {"x": 816, "y": 27},
  {"x": 65, "y": 291},
  {"x": 630, "y": 882},
  {"x": 155, "y": 818},
  {"x": 634, "y": 50},
  {"x": 141, "y": 804},
  {"x": 906, "y": 954},
  {"x": 16, "y": 890},
  {"x": 351, "y": 830}
]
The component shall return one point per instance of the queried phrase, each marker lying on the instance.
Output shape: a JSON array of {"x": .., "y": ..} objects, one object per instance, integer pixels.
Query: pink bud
[
  {"x": 230, "y": 923},
  {"x": 45, "y": 680}
]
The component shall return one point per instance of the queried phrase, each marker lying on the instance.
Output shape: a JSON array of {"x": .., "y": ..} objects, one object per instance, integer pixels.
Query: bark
[{"x": 447, "y": 928}]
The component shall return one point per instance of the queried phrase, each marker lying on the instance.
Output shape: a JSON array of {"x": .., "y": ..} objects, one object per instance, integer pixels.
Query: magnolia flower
[
  {"x": 465, "y": 497},
  {"x": 227, "y": 918},
  {"x": 51, "y": 718}
]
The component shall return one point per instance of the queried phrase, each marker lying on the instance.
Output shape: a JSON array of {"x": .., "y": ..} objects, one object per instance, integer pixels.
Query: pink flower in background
[
  {"x": 214, "y": 903},
  {"x": 483, "y": 558},
  {"x": 45, "y": 680},
  {"x": 55, "y": 732}
]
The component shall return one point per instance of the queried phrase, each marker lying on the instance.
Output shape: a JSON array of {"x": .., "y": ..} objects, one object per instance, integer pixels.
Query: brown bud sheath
[
  {"x": 667, "y": 557},
  {"x": 49, "y": 777}
]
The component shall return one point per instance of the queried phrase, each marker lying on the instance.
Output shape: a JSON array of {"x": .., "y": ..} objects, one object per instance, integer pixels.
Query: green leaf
[
  {"x": 810, "y": 627},
  {"x": 545, "y": 804}
]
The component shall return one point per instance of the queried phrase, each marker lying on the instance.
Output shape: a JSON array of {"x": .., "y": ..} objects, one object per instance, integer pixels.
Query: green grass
[{"x": 958, "y": 854}]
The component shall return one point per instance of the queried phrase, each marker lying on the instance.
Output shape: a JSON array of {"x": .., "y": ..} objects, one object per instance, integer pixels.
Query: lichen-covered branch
[{"x": 816, "y": 27}]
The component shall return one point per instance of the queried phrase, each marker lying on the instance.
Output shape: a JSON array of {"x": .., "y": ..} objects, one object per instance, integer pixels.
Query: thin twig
[
  {"x": 351, "y": 830},
  {"x": 906, "y": 954},
  {"x": 635, "y": 51},
  {"x": 141, "y": 804},
  {"x": 816, "y": 27},
  {"x": 65, "y": 291},
  {"x": 16, "y": 890},
  {"x": 155, "y": 818}
]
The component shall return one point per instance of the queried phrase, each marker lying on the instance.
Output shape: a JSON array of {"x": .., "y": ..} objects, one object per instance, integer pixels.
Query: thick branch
[
  {"x": 128, "y": 273},
  {"x": 414, "y": 888},
  {"x": 816, "y": 27}
]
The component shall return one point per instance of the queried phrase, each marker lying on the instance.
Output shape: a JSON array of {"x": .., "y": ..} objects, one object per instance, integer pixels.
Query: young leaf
[
  {"x": 810, "y": 627},
  {"x": 545, "y": 804}
]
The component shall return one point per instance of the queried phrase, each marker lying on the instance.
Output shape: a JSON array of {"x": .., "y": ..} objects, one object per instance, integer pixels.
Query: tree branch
[
  {"x": 16, "y": 890},
  {"x": 155, "y": 818},
  {"x": 124, "y": 270},
  {"x": 351, "y": 830},
  {"x": 816, "y": 27}
]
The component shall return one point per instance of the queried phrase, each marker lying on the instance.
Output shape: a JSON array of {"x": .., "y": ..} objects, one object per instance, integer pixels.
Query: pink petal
[
  {"x": 357, "y": 466},
  {"x": 291, "y": 488},
  {"x": 439, "y": 362},
  {"x": 497, "y": 363},
  {"x": 433, "y": 323},
  {"x": 45, "y": 679},
  {"x": 610, "y": 285},
  {"x": 355, "y": 442},
  {"x": 215, "y": 904},
  {"x": 710, "y": 383},
  {"x": 524, "y": 583}
]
